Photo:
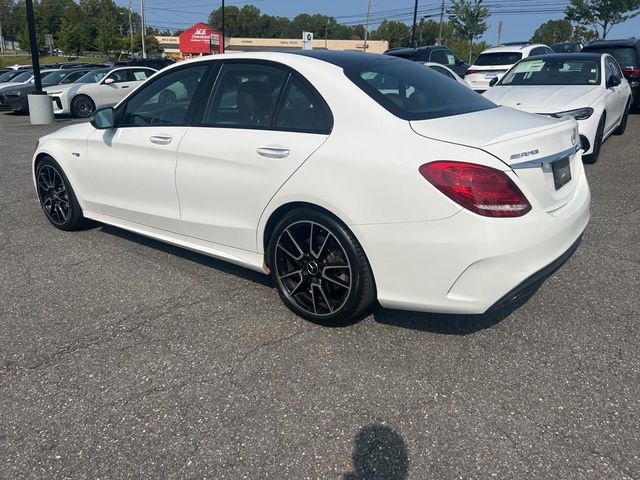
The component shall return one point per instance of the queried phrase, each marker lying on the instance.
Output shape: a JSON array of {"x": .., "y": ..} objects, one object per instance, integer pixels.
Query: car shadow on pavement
[
  {"x": 450, "y": 324},
  {"x": 379, "y": 453},
  {"x": 200, "y": 258}
]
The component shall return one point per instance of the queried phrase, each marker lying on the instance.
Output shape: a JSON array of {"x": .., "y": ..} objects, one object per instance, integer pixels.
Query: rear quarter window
[{"x": 412, "y": 92}]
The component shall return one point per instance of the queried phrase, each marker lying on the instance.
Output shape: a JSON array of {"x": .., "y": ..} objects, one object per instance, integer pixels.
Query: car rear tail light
[
  {"x": 483, "y": 190},
  {"x": 631, "y": 72}
]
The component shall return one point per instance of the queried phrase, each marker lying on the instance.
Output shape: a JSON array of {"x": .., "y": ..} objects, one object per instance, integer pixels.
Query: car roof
[
  {"x": 346, "y": 59},
  {"x": 565, "y": 56},
  {"x": 513, "y": 48},
  {"x": 626, "y": 42}
]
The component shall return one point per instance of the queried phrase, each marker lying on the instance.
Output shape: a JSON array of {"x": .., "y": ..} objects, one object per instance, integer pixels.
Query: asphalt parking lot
[{"x": 121, "y": 357}]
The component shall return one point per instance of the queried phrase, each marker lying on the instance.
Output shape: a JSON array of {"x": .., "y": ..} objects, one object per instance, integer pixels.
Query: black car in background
[
  {"x": 15, "y": 98},
  {"x": 627, "y": 53},
  {"x": 566, "y": 47},
  {"x": 433, "y": 53}
]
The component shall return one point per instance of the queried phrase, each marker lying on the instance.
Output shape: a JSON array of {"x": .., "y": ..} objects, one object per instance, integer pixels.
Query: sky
[{"x": 520, "y": 17}]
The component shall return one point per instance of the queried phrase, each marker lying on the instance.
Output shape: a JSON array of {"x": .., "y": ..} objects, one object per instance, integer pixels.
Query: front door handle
[
  {"x": 124, "y": 86},
  {"x": 273, "y": 151},
  {"x": 161, "y": 139}
]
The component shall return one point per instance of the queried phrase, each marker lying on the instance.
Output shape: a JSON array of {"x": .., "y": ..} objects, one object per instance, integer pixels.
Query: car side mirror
[
  {"x": 493, "y": 81},
  {"x": 613, "y": 81},
  {"x": 109, "y": 81},
  {"x": 104, "y": 119}
]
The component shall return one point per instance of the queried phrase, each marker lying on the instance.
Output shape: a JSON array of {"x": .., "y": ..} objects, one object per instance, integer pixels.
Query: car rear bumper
[{"x": 467, "y": 263}]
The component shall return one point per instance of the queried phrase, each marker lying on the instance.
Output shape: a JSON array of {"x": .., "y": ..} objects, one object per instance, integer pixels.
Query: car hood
[
  {"x": 5, "y": 86},
  {"x": 544, "y": 99},
  {"x": 59, "y": 88}
]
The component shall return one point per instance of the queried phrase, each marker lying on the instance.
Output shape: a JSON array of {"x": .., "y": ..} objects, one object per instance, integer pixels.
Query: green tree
[
  {"x": 75, "y": 33},
  {"x": 604, "y": 14},
  {"x": 553, "y": 31},
  {"x": 151, "y": 45},
  {"x": 397, "y": 33},
  {"x": 583, "y": 34},
  {"x": 468, "y": 18},
  {"x": 107, "y": 38},
  {"x": 231, "y": 24}
]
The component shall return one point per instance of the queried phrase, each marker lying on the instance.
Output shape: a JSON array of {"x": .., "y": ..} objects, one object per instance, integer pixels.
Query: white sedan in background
[
  {"x": 99, "y": 88},
  {"x": 587, "y": 86},
  {"x": 443, "y": 202},
  {"x": 446, "y": 71}
]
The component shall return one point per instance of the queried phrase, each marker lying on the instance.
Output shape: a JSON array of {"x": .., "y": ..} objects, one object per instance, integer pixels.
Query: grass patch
[{"x": 9, "y": 60}]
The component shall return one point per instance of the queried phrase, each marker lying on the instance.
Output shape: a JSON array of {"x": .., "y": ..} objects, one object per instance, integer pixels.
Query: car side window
[
  {"x": 609, "y": 70},
  {"x": 615, "y": 68},
  {"x": 245, "y": 96},
  {"x": 300, "y": 110},
  {"x": 139, "y": 74},
  {"x": 119, "y": 76},
  {"x": 165, "y": 101}
]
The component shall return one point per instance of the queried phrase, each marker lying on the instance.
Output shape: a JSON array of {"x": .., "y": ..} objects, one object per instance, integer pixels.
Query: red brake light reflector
[
  {"x": 631, "y": 72},
  {"x": 483, "y": 190}
]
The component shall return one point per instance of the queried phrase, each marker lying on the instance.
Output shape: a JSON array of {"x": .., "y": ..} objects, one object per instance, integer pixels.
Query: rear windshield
[
  {"x": 498, "y": 58},
  {"x": 412, "y": 91},
  {"x": 53, "y": 78},
  {"x": 565, "y": 47},
  {"x": 626, "y": 56},
  {"x": 554, "y": 72},
  {"x": 6, "y": 76}
]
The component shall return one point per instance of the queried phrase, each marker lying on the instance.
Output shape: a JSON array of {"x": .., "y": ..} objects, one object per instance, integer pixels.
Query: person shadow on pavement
[{"x": 379, "y": 453}]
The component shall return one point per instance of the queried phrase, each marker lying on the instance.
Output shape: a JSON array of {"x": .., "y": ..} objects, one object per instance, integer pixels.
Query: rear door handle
[
  {"x": 273, "y": 151},
  {"x": 124, "y": 86},
  {"x": 161, "y": 139}
]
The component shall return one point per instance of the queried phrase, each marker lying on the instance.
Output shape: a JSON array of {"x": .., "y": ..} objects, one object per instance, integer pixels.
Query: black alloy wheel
[
  {"x": 82, "y": 106},
  {"x": 597, "y": 143},
  {"x": 320, "y": 269},
  {"x": 57, "y": 197}
]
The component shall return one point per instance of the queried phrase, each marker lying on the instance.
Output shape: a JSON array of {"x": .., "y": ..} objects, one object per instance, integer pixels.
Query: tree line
[{"x": 102, "y": 26}]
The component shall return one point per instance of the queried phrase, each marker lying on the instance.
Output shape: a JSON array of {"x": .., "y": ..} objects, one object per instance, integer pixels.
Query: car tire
[
  {"x": 319, "y": 268},
  {"x": 623, "y": 123},
  {"x": 597, "y": 143},
  {"x": 82, "y": 106},
  {"x": 57, "y": 198}
]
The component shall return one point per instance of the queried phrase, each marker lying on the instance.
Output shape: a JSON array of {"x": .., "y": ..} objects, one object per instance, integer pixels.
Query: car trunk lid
[{"x": 533, "y": 146}]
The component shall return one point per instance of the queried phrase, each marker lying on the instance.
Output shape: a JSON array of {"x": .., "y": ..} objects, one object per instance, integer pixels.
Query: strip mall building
[{"x": 201, "y": 39}]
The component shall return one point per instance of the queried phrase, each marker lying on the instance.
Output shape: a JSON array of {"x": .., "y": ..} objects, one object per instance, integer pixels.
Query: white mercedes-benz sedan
[
  {"x": 347, "y": 177},
  {"x": 587, "y": 86},
  {"x": 103, "y": 87}
]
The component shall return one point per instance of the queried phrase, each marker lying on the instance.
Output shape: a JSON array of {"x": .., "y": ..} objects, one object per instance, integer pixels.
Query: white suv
[{"x": 495, "y": 61}]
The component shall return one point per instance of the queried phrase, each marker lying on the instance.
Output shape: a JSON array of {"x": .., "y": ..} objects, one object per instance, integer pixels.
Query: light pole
[
  {"x": 441, "y": 22},
  {"x": 130, "y": 27},
  {"x": 143, "y": 33},
  {"x": 366, "y": 28},
  {"x": 1, "y": 39},
  {"x": 33, "y": 43},
  {"x": 222, "y": 26},
  {"x": 413, "y": 29}
]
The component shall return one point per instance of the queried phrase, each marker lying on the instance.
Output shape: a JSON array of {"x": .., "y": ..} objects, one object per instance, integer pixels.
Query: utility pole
[
  {"x": 1, "y": 39},
  {"x": 144, "y": 32},
  {"x": 33, "y": 43},
  {"x": 130, "y": 27},
  {"x": 413, "y": 29},
  {"x": 326, "y": 32},
  {"x": 441, "y": 23},
  {"x": 366, "y": 29},
  {"x": 499, "y": 31},
  {"x": 222, "y": 26}
]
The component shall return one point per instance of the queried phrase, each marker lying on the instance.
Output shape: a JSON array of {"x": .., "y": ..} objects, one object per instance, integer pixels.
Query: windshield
[
  {"x": 6, "y": 76},
  {"x": 412, "y": 92},
  {"x": 626, "y": 56},
  {"x": 93, "y": 76},
  {"x": 497, "y": 58},
  {"x": 23, "y": 77},
  {"x": 53, "y": 78},
  {"x": 554, "y": 72}
]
